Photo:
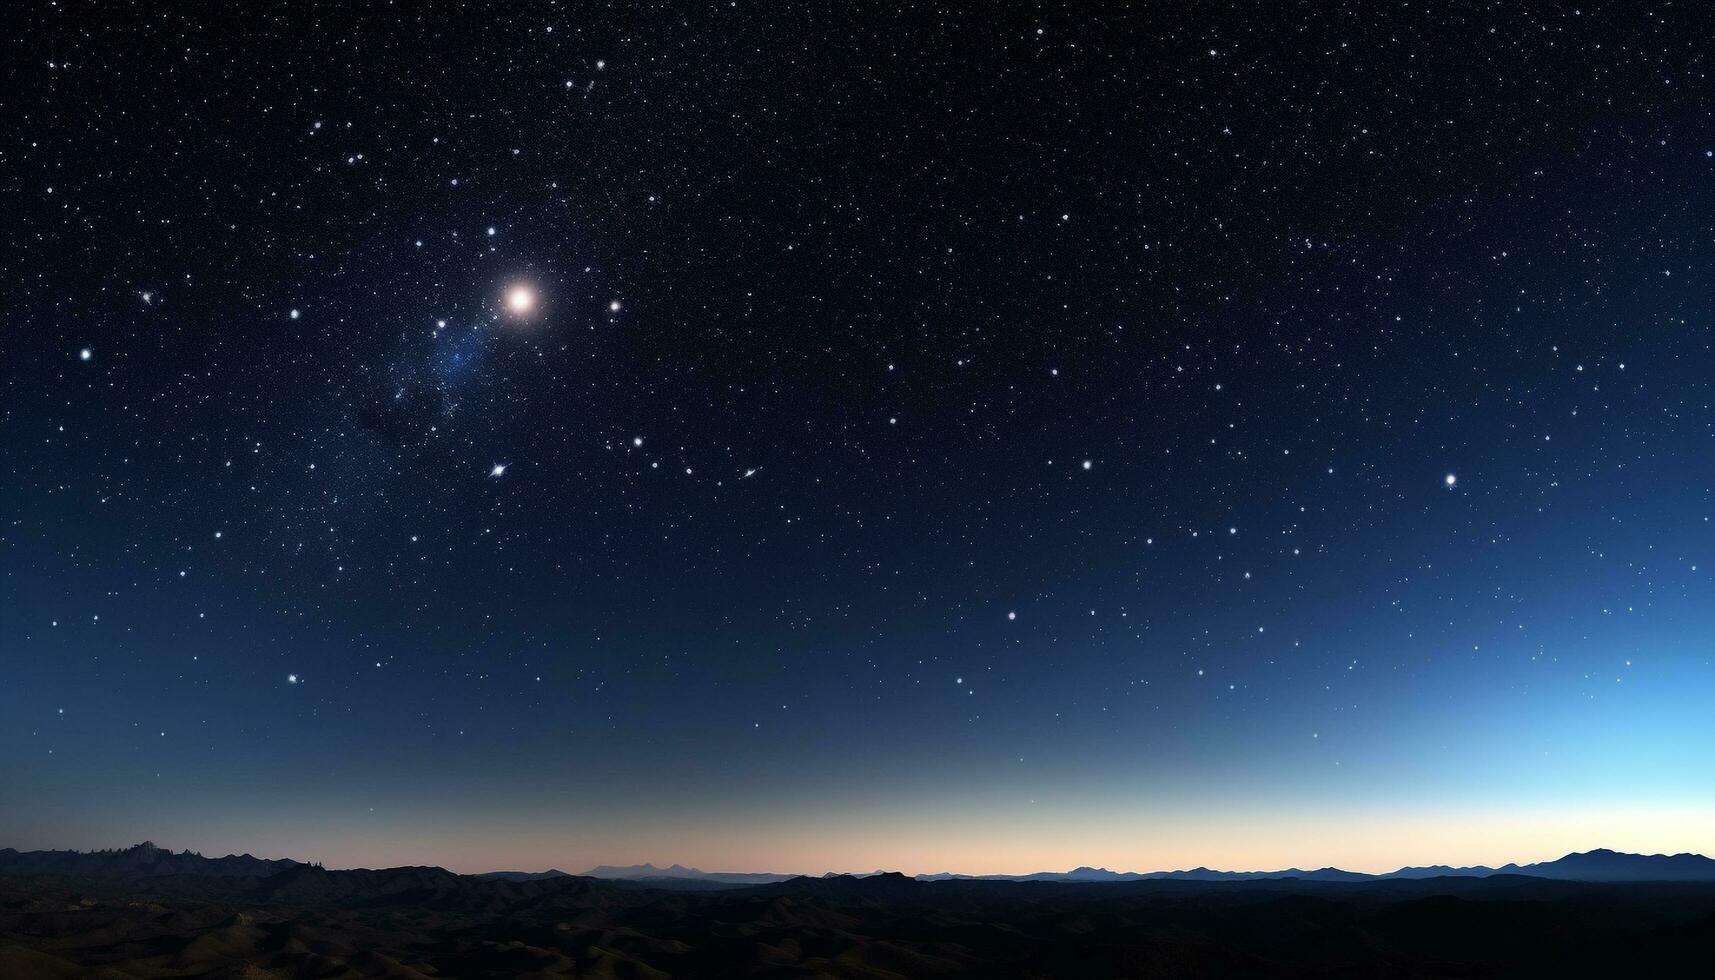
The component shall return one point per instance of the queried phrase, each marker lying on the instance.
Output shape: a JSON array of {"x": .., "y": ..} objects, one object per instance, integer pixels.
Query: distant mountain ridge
[
  {"x": 678, "y": 872},
  {"x": 1194, "y": 874},
  {"x": 1600, "y": 864},
  {"x": 522, "y": 875},
  {"x": 146, "y": 860},
  {"x": 143, "y": 860},
  {"x": 429, "y": 922}
]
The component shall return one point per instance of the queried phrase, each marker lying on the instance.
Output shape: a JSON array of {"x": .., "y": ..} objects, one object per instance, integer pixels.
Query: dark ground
[{"x": 306, "y": 922}]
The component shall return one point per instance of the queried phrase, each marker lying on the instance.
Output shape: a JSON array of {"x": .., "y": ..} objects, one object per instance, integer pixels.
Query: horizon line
[{"x": 918, "y": 874}]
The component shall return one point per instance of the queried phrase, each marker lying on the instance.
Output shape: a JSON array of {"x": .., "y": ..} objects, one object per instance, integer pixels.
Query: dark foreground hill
[{"x": 426, "y": 922}]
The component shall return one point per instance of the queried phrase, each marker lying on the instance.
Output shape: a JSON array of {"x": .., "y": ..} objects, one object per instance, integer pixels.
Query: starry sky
[{"x": 794, "y": 438}]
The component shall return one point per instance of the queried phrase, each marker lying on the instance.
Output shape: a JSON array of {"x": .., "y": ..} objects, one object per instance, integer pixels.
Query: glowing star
[
  {"x": 85, "y": 354},
  {"x": 498, "y": 471},
  {"x": 291, "y": 678},
  {"x": 1451, "y": 479},
  {"x": 520, "y": 300},
  {"x": 613, "y": 307}
]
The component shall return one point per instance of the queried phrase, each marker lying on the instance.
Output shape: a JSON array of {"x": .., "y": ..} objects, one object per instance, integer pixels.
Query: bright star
[
  {"x": 520, "y": 300},
  {"x": 85, "y": 354},
  {"x": 1451, "y": 479},
  {"x": 613, "y": 307},
  {"x": 498, "y": 471}
]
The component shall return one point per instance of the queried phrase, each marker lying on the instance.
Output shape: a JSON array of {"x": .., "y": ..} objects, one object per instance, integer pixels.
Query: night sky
[{"x": 966, "y": 438}]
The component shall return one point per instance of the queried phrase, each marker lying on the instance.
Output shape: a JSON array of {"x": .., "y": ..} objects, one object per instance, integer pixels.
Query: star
[
  {"x": 520, "y": 300},
  {"x": 85, "y": 354},
  {"x": 498, "y": 471},
  {"x": 1451, "y": 479}
]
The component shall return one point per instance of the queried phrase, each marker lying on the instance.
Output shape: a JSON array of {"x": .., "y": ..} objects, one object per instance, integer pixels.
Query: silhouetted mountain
[
  {"x": 141, "y": 860},
  {"x": 146, "y": 860},
  {"x": 1597, "y": 865},
  {"x": 521, "y": 875},
  {"x": 1442, "y": 871},
  {"x": 649, "y": 872},
  {"x": 427, "y": 922},
  {"x": 1588, "y": 865},
  {"x": 1088, "y": 874},
  {"x": 640, "y": 871},
  {"x": 1600, "y": 864},
  {"x": 1605, "y": 865},
  {"x": 880, "y": 885}
]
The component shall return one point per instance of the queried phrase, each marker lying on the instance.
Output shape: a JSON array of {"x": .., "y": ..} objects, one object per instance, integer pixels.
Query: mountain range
[
  {"x": 143, "y": 860},
  {"x": 678, "y": 872},
  {"x": 1600, "y": 864},
  {"x": 1596, "y": 865},
  {"x": 146, "y": 860},
  {"x": 147, "y": 912}
]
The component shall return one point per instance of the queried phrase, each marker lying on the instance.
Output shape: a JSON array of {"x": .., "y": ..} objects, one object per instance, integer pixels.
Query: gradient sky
[{"x": 938, "y": 441}]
